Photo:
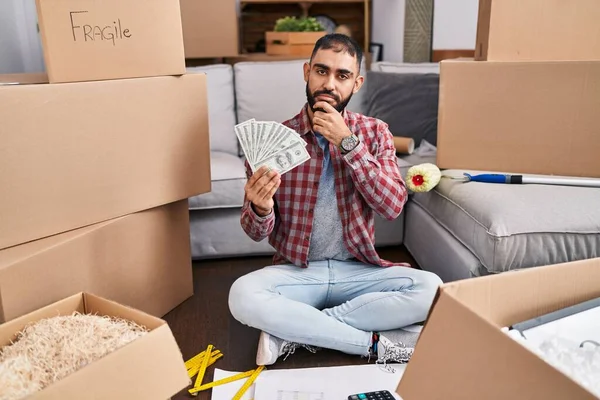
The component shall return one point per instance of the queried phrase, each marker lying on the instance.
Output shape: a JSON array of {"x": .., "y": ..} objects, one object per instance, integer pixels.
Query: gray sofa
[
  {"x": 273, "y": 91},
  {"x": 459, "y": 230}
]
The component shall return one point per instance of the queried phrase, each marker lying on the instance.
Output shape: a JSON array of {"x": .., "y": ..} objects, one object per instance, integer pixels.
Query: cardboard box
[
  {"x": 537, "y": 30},
  {"x": 462, "y": 352},
  {"x": 86, "y": 40},
  {"x": 75, "y": 154},
  {"x": 291, "y": 43},
  {"x": 210, "y": 28},
  {"x": 150, "y": 367},
  {"x": 141, "y": 260},
  {"x": 520, "y": 117}
]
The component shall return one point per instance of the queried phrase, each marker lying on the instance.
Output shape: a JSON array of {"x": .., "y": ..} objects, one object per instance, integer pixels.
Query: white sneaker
[
  {"x": 406, "y": 337},
  {"x": 392, "y": 352},
  {"x": 270, "y": 348}
]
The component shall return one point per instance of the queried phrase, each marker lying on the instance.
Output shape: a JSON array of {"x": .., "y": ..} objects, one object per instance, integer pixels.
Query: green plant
[{"x": 293, "y": 24}]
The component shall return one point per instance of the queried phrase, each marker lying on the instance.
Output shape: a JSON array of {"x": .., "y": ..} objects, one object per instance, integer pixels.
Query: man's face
[{"x": 332, "y": 77}]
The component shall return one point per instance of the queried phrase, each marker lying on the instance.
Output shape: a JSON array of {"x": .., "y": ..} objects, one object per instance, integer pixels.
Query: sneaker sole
[{"x": 263, "y": 354}]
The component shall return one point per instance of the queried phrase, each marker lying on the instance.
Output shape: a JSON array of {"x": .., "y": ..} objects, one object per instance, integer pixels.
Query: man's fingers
[
  {"x": 261, "y": 173},
  {"x": 269, "y": 189},
  {"x": 263, "y": 185},
  {"x": 272, "y": 190},
  {"x": 325, "y": 106}
]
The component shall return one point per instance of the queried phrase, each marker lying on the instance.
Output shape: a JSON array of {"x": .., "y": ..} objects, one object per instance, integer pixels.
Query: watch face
[{"x": 349, "y": 143}]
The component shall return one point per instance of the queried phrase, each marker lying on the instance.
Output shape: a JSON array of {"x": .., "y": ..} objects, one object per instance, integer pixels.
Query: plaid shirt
[{"x": 367, "y": 180}]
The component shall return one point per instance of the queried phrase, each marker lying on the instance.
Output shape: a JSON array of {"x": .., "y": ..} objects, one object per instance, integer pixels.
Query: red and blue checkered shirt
[{"x": 367, "y": 181}]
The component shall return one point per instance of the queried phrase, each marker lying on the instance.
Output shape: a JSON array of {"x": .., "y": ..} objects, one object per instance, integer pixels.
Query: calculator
[{"x": 378, "y": 395}]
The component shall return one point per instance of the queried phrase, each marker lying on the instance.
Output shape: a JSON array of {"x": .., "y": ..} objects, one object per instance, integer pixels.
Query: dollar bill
[
  {"x": 271, "y": 143},
  {"x": 286, "y": 159}
]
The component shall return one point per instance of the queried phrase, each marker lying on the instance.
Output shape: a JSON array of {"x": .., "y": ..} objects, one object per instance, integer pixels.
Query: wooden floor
[{"x": 205, "y": 319}]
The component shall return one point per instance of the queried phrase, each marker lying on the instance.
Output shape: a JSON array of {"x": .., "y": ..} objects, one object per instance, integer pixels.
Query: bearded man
[{"x": 327, "y": 286}]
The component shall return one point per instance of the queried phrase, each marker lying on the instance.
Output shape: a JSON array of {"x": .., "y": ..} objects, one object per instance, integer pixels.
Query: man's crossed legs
[{"x": 339, "y": 305}]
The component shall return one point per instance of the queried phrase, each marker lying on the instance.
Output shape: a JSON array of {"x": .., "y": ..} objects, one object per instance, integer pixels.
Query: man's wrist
[
  {"x": 348, "y": 143},
  {"x": 260, "y": 211}
]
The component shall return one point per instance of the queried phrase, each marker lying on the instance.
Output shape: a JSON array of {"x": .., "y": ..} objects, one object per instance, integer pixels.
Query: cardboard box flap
[
  {"x": 483, "y": 29},
  {"x": 67, "y": 306},
  {"x": 455, "y": 332},
  {"x": 531, "y": 292},
  {"x": 99, "y": 305}
]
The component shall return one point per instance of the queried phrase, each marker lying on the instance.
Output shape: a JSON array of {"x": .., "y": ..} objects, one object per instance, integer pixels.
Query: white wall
[
  {"x": 10, "y": 46},
  {"x": 388, "y": 28},
  {"x": 455, "y": 24},
  {"x": 20, "y": 47},
  {"x": 454, "y": 27}
]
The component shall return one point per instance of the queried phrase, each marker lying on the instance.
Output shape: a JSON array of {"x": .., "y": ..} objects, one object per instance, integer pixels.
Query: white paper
[
  {"x": 331, "y": 383},
  {"x": 228, "y": 390},
  {"x": 577, "y": 328}
]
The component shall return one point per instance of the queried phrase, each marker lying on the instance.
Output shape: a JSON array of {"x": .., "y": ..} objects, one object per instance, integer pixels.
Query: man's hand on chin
[{"x": 330, "y": 123}]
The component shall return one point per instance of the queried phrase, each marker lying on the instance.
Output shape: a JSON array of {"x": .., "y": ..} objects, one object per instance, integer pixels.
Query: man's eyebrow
[
  {"x": 323, "y": 66},
  {"x": 341, "y": 70}
]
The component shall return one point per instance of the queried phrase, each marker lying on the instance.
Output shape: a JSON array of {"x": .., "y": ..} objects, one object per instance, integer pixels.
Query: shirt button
[
  {"x": 310, "y": 211},
  {"x": 306, "y": 238}
]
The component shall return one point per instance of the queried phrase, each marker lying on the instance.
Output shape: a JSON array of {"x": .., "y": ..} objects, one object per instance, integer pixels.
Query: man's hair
[{"x": 339, "y": 42}]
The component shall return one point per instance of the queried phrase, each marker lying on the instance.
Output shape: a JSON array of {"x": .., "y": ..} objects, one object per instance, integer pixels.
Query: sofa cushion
[
  {"x": 408, "y": 103},
  {"x": 406, "y": 68},
  {"x": 228, "y": 178},
  {"x": 517, "y": 226},
  {"x": 221, "y": 106},
  {"x": 274, "y": 90}
]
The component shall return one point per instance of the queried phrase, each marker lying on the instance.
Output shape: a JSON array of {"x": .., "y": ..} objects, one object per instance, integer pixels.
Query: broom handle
[{"x": 539, "y": 180}]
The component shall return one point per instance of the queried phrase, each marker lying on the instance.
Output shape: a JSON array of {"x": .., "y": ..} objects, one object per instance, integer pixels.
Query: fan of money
[{"x": 272, "y": 144}]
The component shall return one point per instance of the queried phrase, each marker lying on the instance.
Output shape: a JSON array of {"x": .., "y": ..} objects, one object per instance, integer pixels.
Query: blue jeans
[{"x": 332, "y": 304}]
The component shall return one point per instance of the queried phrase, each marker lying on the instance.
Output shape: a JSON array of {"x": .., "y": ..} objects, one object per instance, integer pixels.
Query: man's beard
[{"x": 340, "y": 105}]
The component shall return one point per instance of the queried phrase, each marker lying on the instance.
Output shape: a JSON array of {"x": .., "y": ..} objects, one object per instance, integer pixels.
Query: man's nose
[{"x": 329, "y": 83}]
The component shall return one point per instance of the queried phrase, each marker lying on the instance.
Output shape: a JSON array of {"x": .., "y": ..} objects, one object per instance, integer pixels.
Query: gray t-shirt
[{"x": 327, "y": 238}]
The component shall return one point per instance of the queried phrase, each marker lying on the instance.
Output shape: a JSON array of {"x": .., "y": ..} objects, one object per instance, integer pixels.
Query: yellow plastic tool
[
  {"x": 200, "y": 362},
  {"x": 223, "y": 381},
  {"x": 248, "y": 383}
]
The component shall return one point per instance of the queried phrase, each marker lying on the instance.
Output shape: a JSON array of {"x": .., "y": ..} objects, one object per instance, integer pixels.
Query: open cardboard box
[
  {"x": 150, "y": 367},
  {"x": 462, "y": 352}
]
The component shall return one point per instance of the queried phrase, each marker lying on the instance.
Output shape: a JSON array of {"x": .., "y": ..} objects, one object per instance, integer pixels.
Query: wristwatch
[{"x": 349, "y": 143}]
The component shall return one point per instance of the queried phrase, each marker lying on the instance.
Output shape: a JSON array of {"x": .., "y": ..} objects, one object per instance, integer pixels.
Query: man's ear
[
  {"x": 306, "y": 71},
  {"x": 358, "y": 83}
]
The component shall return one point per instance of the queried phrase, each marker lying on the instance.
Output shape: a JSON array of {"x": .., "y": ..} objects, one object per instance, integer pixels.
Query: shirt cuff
[
  {"x": 355, "y": 157},
  {"x": 255, "y": 215}
]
